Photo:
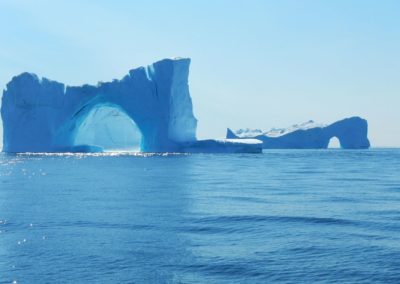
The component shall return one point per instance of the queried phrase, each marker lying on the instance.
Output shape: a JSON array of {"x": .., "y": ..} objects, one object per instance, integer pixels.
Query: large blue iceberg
[
  {"x": 152, "y": 107},
  {"x": 352, "y": 133}
]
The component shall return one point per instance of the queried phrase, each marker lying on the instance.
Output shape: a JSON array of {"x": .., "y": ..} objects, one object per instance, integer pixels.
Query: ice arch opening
[
  {"x": 41, "y": 115},
  {"x": 334, "y": 143},
  {"x": 108, "y": 128}
]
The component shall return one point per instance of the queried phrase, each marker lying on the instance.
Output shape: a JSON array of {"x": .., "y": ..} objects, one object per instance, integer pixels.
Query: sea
[{"x": 283, "y": 216}]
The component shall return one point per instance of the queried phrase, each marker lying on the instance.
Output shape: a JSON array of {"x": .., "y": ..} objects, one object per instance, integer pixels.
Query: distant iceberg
[
  {"x": 151, "y": 107},
  {"x": 352, "y": 133}
]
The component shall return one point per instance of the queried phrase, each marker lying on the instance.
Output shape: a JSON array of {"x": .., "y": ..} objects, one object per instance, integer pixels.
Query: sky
[{"x": 255, "y": 63}]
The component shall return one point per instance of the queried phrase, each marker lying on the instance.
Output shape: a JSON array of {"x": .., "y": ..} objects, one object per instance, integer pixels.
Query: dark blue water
[{"x": 282, "y": 216}]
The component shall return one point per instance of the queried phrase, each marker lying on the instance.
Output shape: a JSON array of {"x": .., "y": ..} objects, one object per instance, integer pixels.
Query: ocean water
[{"x": 309, "y": 216}]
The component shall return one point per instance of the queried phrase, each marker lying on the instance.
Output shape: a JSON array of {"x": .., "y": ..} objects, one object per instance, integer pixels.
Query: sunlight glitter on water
[
  {"x": 102, "y": 154},
  {"x": 296, "y": 216}
]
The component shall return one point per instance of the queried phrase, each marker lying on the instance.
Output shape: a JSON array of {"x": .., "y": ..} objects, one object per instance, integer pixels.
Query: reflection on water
[{"x": 283, "y": 216}]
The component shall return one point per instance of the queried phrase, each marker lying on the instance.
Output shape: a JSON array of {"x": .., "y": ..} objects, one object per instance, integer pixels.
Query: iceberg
[
  {"x": 352, "y": 133},
  {"x": 223, "y": 146},
  {"x": 150, "y": 107}
]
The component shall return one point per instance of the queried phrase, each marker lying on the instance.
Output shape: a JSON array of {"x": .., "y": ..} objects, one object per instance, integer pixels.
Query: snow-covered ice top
[
  {"x": 276, "y": 132},
  {"x": 223, "y": 146},
  {"x": 239, "y": 141}
]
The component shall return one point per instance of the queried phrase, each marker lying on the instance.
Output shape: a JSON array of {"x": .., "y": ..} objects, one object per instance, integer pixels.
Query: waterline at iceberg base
[{"x": 149, "y": 110}]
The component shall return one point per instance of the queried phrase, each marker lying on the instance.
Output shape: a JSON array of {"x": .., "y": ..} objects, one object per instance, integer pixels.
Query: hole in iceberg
[
  {"x": 108, "y": 128},
  {"x": 334, "y": 143}
]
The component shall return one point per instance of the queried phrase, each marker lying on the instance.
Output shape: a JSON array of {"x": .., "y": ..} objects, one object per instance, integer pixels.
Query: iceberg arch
[
  {"x": 40, "y": 115},
  {"x": 110, "y": 129},
  {"x": 352, "y": 133},
  {"x": 334, "y": 143}
]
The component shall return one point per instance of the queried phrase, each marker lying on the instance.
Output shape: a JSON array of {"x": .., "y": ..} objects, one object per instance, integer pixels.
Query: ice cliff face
[
  {"x": 150, "y": 110},
  {"x": 40, "y": 115},
  {"x": 351, "y": 132}
]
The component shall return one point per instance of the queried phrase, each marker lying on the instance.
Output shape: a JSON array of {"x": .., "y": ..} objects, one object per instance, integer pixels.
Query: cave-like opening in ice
[
  {"x": 110, "y": 128},
  {"x": 334, "y": 143}
]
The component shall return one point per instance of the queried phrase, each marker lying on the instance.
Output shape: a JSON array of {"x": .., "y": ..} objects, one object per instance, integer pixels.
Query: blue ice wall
[
  {"x": 352, "y": 133},
  {"x": 40, "y": 115}
]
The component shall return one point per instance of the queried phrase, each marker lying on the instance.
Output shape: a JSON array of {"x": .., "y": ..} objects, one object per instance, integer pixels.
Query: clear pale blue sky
[{"x": 255, "y": 63}]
